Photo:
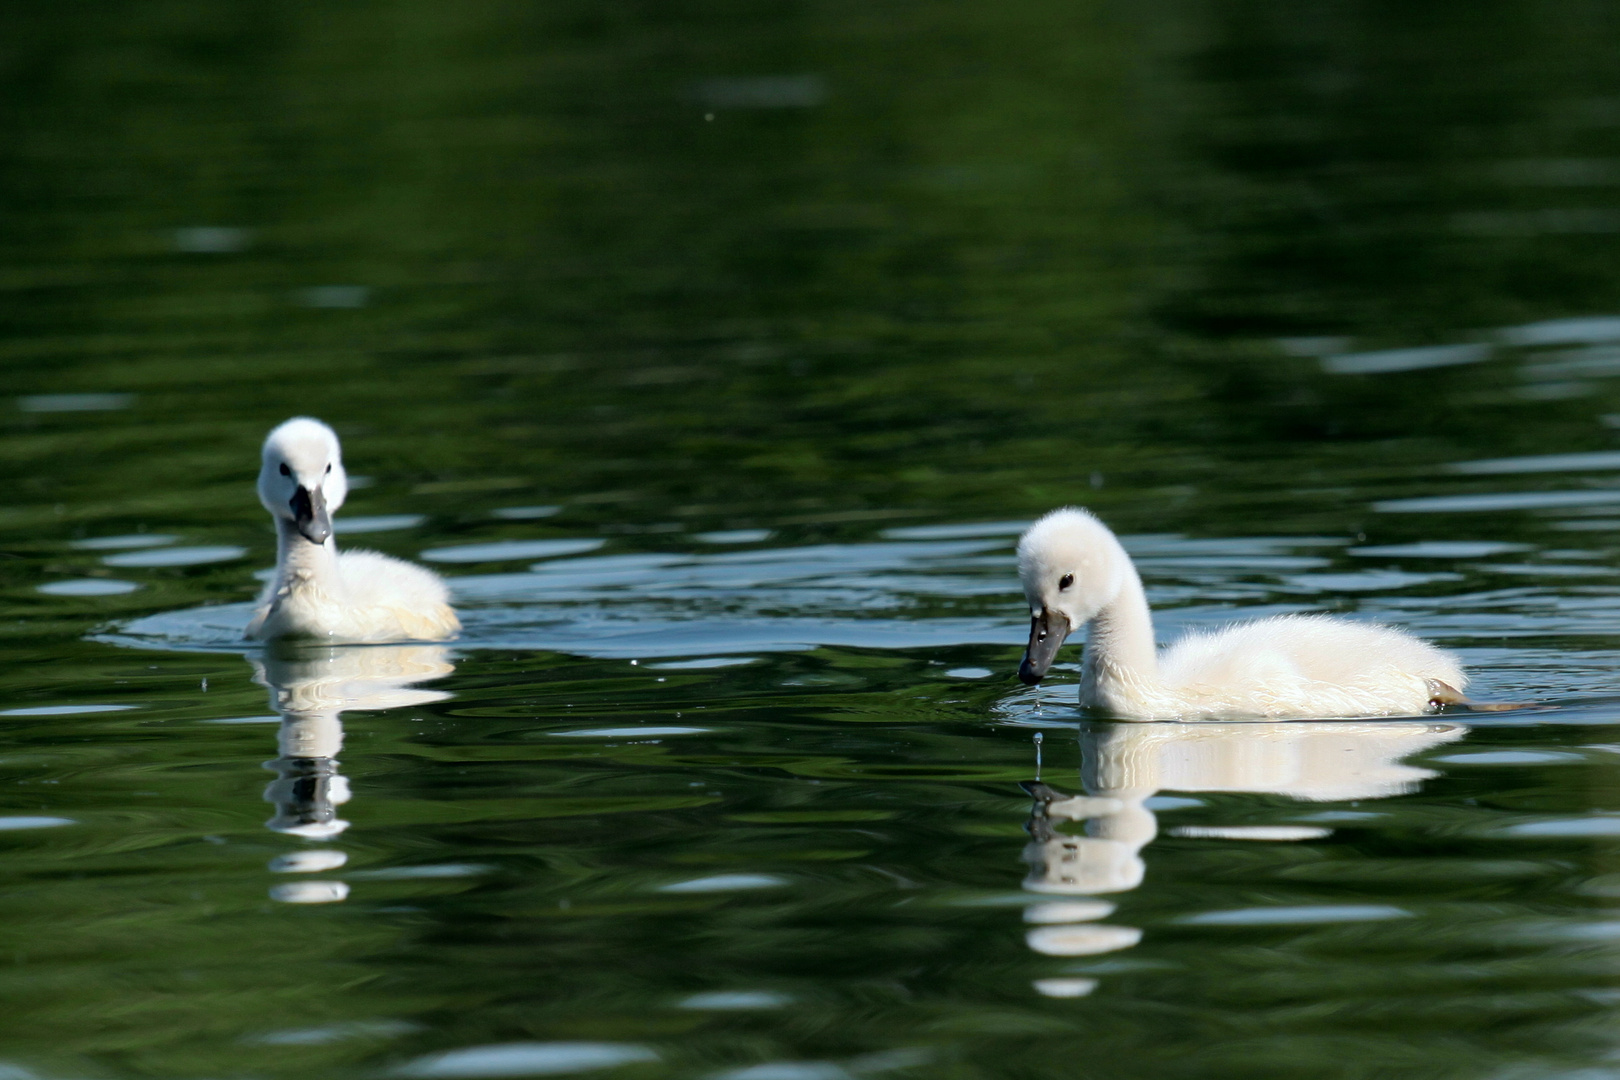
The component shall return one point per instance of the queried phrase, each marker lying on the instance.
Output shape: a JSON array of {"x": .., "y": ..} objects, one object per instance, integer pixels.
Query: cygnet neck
[
  {"x": 1121, "y": 656},
  {"x": 310, "y": 734},
  {"x": 300, "y": 560}
]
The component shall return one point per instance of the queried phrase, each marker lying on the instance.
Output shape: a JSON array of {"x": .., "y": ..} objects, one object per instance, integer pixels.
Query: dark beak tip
[
  {"x": 310, "y": 516},
  {"x": 1047, "y": 631}
]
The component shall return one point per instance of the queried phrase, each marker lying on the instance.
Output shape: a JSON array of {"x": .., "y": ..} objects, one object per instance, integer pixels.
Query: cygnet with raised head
[{"x": 355, "y": 596}]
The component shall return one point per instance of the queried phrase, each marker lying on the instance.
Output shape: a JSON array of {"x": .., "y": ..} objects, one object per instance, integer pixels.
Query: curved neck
[
  {"x": 298, "y": 559},
  {"x": 1120, "y": 655}
]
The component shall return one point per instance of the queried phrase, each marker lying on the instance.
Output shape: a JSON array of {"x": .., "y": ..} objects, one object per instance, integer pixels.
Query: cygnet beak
[
  {"x": 309, "y": 514},
  {"x": 1046, "y": 633}
]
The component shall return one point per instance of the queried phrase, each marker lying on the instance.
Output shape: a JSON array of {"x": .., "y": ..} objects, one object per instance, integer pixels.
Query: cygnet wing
[
  {"x": 402, "y": 599},
  {"x": 1315, "y": 649}
]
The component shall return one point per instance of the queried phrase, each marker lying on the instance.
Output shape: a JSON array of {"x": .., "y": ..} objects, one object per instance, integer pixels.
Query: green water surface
[{"x": 716, "y": 352}]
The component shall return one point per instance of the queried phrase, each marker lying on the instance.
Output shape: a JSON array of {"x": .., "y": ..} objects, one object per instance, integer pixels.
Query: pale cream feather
[
  {"x": 355, "y": 596},
  {"x": 1287, "y": 666}
]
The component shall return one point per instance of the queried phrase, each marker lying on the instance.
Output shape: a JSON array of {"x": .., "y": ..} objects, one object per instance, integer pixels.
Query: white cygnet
[
  {"x": 1075, "y": 573},
  {"x": 317, "y": 593}
]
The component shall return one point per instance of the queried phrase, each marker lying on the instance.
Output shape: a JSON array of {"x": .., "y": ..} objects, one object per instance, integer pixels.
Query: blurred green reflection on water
[
  {"x": 735, "y": 258},
  {"x": 704, "y": 277}
]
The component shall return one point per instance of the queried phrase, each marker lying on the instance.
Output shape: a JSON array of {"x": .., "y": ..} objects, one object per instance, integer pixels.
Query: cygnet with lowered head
[
  {"x": 1075, "y": 573},
  {"x": 358, "y": 596}
]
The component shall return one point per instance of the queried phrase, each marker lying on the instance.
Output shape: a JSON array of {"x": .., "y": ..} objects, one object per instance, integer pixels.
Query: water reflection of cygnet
[
  {"x": 1124, "y": 765},
  {"x": 311, "y": 687}
]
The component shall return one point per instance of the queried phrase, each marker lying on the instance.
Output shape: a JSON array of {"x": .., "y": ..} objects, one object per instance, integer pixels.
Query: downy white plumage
[
  {"x": 1075, "y": 573},
  {"x": 358, "y": 596}
]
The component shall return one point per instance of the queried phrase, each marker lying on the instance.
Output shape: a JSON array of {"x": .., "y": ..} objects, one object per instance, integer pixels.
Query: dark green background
[{"x": 996, "y": 257}]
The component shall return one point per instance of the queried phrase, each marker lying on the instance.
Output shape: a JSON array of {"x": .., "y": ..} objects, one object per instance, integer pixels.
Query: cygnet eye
[
  {"x": 1065, "y": 581},
  {"x": 284, "y": 470},
  {"x": 329, "y": 469}
]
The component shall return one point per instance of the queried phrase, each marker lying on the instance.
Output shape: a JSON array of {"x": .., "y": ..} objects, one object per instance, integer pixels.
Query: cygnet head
[
  {"x": 302, "y": 479},
  {"x": 1072, "y": 568}
]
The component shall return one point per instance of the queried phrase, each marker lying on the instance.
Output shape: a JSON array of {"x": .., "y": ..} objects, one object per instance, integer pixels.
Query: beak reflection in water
[
  {"x": 1123, "y": 765},
  {"x": 310, "y": 687}
]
